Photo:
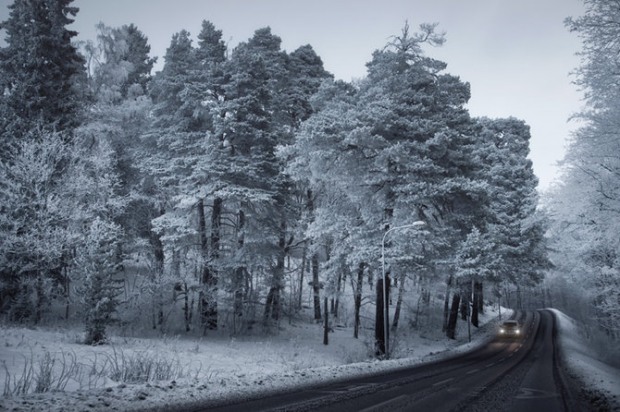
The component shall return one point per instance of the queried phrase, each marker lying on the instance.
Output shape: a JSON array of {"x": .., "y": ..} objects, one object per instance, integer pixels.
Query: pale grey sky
[{"x": 516, "y": 55}]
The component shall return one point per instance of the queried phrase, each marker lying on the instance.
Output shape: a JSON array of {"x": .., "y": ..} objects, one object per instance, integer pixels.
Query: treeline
[
  {"x": 584, "y": 205},
  {"x": 225, "y": 183}
]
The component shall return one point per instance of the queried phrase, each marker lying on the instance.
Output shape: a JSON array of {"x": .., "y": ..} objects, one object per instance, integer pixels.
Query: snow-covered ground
[
  {"x": 219, "y": 368},
  {"x": 582, "y": 361}
]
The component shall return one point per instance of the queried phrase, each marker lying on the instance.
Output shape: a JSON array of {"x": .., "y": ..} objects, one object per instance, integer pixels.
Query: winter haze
[{"x": 329, "y": 205}]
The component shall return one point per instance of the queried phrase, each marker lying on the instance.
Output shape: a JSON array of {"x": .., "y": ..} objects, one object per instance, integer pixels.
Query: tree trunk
[
  {"x": 40, "y": 299},
  {"x": 466, "y": 299},
  {"x": 187, "y": 311},
  {"x": 314, "y": 264},
  {"x": 417, "y": 311},
  {"x": 326, "y": 325},
  {"x": 382, "y": 335},
  {"x": 358, "y": 299},
  {"x": 239, "y": 270},
  {"x": 454, "y": 309},
  {"x": 475, "y": 304},
  {"x": 446, "y": 305},
  {"x": 67, "y": 290},
  {"x": 272, "y": 304},
  {"x": 205, "y": 275},
  {"x": 399, "y": 302},
  {"x": 212, "y": 282},
  {"x": 480, "y": 297},
  {"x": 301, "y": 276},
  {"x": 336, "y": 301},
  {"x": 316, "y": 287}
]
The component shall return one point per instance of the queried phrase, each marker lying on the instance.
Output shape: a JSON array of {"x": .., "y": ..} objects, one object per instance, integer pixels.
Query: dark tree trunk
[
  {"x": 272, "y": 305},
  {"x": 314, "y": 264},
  {"x": 479, "y": 288},
  {"x": 336, "y": 301},
  {"x": 454, "y": 309},
  {"x": 446, "y": 305},
  {"x": 474, "y": 310},
  {"x": 382, "y": 314},
  {"x": 187, "y": 308},
  {"x": 268, "y": 305},
  {"x": 465, "y": 299},
  {"x": 240, "y": 270},
  {"x": 67, "y": 290},
  {"x": 316, "y": 287},
  {"x": 158, "y": 255},
  {"x": 399, "y": 303},
  {"x": 212, "y": 284},
  {"x": 358, "y": 299},
  {"x": 476, "y": 304},
  {"x": 301, "y": 276},
  {"x": 40, "y": 299},
  {"x": 326, "y": 325},
  {"x": 205, "y": 276}
]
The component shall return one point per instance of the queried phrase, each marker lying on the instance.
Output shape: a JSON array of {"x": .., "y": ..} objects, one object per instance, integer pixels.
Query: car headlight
[
  {"x": 502, "y": 331},
  {"x": 517, "y": 331}
]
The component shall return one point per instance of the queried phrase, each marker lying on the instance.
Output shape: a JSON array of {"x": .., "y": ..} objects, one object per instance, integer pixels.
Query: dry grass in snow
[{"x": 43, "y": 369}]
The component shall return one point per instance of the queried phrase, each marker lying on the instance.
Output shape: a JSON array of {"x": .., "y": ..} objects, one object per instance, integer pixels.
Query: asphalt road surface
[{"x": 504, "y": 375}]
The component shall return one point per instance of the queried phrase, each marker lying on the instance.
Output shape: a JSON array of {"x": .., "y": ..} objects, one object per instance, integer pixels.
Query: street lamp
[{"x": 386, "y": 317}]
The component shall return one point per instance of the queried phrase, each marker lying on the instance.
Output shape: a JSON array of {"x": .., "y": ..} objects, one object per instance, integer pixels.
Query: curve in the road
[{"x": 518, "y": 375}]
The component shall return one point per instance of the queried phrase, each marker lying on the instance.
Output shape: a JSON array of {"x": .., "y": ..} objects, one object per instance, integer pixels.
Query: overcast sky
[{"x": 516, "y": 54}]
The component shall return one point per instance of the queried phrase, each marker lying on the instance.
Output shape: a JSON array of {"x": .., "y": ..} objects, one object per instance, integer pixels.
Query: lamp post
[{"x": 386, "y": 317}]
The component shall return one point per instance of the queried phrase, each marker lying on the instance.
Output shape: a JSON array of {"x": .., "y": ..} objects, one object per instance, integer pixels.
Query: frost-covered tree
[
  {"x": 34, "y": 219},
  {"x": 400, "y": 146},
  {"x": 262, "y": 108},
  {"x": 50, "y": 192},
  {"x": 98, "y": 268},
  {"x": 584, "y": 205},
  {"x": 119, "y": 74},
  {"x": 41, "y": 75},
  {"x": 315, "y": 161},
  {"x": 174, "y": 147},
  {"x": 512, "y": 222}
]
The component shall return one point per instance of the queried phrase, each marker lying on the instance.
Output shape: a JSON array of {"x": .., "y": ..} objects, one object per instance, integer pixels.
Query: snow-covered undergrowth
[
  {"x": 586, "y": 362},
  {"x": 211, "y": 369},
  {"x": 147, "y": 374}
]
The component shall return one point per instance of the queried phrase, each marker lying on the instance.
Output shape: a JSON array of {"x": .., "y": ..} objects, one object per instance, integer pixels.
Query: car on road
[{"x": 509, "y": 329}]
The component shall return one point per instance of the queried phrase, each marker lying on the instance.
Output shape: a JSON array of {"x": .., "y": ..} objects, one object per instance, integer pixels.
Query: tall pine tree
[{"x": 41, "y": 72}]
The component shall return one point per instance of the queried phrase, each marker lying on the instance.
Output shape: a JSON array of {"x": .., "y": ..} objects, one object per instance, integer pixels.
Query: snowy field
[{"x": 79, "y": 377}]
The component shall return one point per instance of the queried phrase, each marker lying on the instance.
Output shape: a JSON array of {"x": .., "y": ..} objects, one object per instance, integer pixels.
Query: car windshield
[{"x": 510, "y": 324}]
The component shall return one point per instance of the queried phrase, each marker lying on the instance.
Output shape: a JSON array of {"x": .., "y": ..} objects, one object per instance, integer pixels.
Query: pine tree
[
  {"x": 512, "y": 221},
  {"x": 400, "y": 148},
  {"x": 41, "y": 71},
  {"x": 137, "y": 53},
  {"x": 187, "y": 95},
  {"x": 251, "y": 128}
]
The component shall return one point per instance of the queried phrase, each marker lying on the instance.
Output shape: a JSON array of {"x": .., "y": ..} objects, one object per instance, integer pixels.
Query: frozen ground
[
  {"x": 217, "y": 368},
  {"x": 581, "y": 361}
]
